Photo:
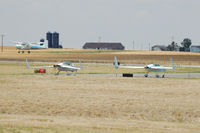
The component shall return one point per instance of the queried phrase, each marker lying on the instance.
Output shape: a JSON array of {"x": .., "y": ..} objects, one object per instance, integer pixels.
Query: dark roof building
[
  {"x": 100, "y": 45},
  {"x": 159, "y": 48}
]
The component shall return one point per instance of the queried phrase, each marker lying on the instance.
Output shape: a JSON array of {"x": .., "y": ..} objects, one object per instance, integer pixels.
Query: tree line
[{"x": 185, "y": 45}]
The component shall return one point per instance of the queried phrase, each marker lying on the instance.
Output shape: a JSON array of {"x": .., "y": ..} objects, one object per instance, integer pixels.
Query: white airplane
[
  {"x": 148, "y": 68},
  {"x": 28, "y": 46},
  {"x": 64, "y": 66}
]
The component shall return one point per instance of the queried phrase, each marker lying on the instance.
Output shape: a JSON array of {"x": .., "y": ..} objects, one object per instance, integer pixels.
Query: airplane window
[{"x": 67, "y": 63}]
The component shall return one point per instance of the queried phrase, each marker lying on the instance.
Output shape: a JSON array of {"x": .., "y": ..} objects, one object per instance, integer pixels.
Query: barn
[
  {"x": 103, "y": 45},
  {"x": 159, "y": 48}
]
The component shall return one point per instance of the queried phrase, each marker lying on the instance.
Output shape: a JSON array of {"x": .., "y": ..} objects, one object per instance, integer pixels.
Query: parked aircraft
[
  {"x": 148, "y": 68},
  {"x": 64, "y": 66},
  {"x": 28, "y": 46}
]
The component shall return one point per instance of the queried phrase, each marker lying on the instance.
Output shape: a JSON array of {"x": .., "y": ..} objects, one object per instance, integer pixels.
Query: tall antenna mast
[
  {"x": 99, "y": 39},
  {"x": 2, "y": 42}
]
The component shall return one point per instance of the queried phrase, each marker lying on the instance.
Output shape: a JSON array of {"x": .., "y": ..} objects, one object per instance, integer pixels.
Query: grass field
[
  {"x": 35, "y": 103},
  {"x": 103, "y": 56}
]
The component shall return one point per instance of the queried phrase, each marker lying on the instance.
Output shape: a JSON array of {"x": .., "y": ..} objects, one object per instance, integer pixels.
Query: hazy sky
[{"x": 80, "y": 21}]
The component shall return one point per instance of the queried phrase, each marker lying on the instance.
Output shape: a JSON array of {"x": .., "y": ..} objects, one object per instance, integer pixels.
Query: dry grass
[
  {"x": 107, "y": 56},
  {"x": 99, "y": 97},
  {"x": 80, "y": 104}
]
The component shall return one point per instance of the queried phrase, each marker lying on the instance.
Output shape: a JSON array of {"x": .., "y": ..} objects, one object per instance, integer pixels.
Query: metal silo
[
  {"x": 50, "y": 40},
  {"x": 55, "y": 40}
]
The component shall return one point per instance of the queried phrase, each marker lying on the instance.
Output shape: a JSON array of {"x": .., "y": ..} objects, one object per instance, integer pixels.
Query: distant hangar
[{"x": 103, "y": 45}]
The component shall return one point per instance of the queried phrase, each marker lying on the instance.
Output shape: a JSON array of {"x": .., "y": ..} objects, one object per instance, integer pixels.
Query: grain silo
[
  {"x": 55, "y": 40},
  {"x": 50, "y": 40}
]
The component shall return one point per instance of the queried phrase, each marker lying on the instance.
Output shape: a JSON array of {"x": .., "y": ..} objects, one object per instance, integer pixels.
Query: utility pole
[
  {"x": 2, "y": 42},
  {"x": 99, "y": 39},
  {"x": 141, "y": 47},
  {"x": 149, "y": 46}
]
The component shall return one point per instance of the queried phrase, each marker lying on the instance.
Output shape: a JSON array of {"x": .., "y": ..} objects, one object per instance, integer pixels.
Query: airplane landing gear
[
  {"x": 75, "y": 73},
  {"x": 57, "y": 72},
  {"x": 24, "y": 52}
]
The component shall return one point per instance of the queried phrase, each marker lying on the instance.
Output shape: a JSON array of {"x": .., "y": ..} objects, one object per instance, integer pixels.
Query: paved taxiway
[{"x": 152, "y": 75}]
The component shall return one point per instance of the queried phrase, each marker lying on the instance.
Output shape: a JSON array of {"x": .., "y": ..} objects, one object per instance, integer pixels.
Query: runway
[
  {"x": 167, "y": 75},
  {"x": 151, "y": 75}
]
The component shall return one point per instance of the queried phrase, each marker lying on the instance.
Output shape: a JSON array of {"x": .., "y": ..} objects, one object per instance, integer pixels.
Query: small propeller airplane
[
  {"x": 64, "y": 66},
  {"x": 148, "y": 68},
  {"x": 28, "y": 46}
]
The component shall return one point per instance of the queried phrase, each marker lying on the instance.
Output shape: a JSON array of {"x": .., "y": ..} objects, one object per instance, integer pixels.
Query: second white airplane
[
  {"x": 148, "y": 68},
  {"x": 64, "y": 66}
]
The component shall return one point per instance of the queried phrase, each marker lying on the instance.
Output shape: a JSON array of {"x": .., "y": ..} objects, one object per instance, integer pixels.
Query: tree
[
  {"x": 173, "y": 46},
  {"x": 186, "y": 43}
]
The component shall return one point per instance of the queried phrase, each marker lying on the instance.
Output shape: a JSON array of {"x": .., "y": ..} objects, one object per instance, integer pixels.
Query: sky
[{"x": 144, "y": 22}]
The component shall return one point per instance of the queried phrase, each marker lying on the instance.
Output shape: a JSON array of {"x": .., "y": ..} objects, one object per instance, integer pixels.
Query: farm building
[
  {"x": 159, "y": 48},
  {"x": 195, "y": 49},
  {"x": 96, "y": 45}
]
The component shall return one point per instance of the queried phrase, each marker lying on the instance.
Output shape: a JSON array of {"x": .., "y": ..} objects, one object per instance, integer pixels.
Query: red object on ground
[{"x": 42, "y": 71}]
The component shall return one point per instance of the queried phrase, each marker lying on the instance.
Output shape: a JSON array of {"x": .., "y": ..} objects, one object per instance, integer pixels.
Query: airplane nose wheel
[{"x": 146, "y": 75}]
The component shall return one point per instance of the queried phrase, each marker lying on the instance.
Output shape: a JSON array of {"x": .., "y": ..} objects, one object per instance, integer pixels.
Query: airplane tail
[
  {"x": 116, "y": 63},
  {"x": 27, "y": 64},
  {"x": 172, "y": 62},
  {"x": 44, "y": 44}
]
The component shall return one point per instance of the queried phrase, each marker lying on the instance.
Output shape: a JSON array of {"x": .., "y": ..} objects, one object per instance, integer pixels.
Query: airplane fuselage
[
  {"x": 28, "y": 46},
  {"x": 72, "y": 69},
  {"x": 67, "y": 66},
  {"x": 155, "y": 68}
]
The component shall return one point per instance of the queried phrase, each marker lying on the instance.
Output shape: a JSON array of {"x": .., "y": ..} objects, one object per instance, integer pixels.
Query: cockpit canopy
[
  {"x": 156, "y": 64},
  {"x": 24, "y": 43},
  {"x": 68, "y": 63},
  {"x": 153, "y": 65}
]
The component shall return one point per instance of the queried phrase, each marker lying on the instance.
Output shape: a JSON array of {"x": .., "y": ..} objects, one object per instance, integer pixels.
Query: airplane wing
[
  {"x": 28, "y": 66},
  {"x": 116, "y": 65},
  {"x": 40, "y": 67},
  {"x": 44, "y": 67},
  {"x": 132, "y": 67},
  {"x": 162, "y": 68}
]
